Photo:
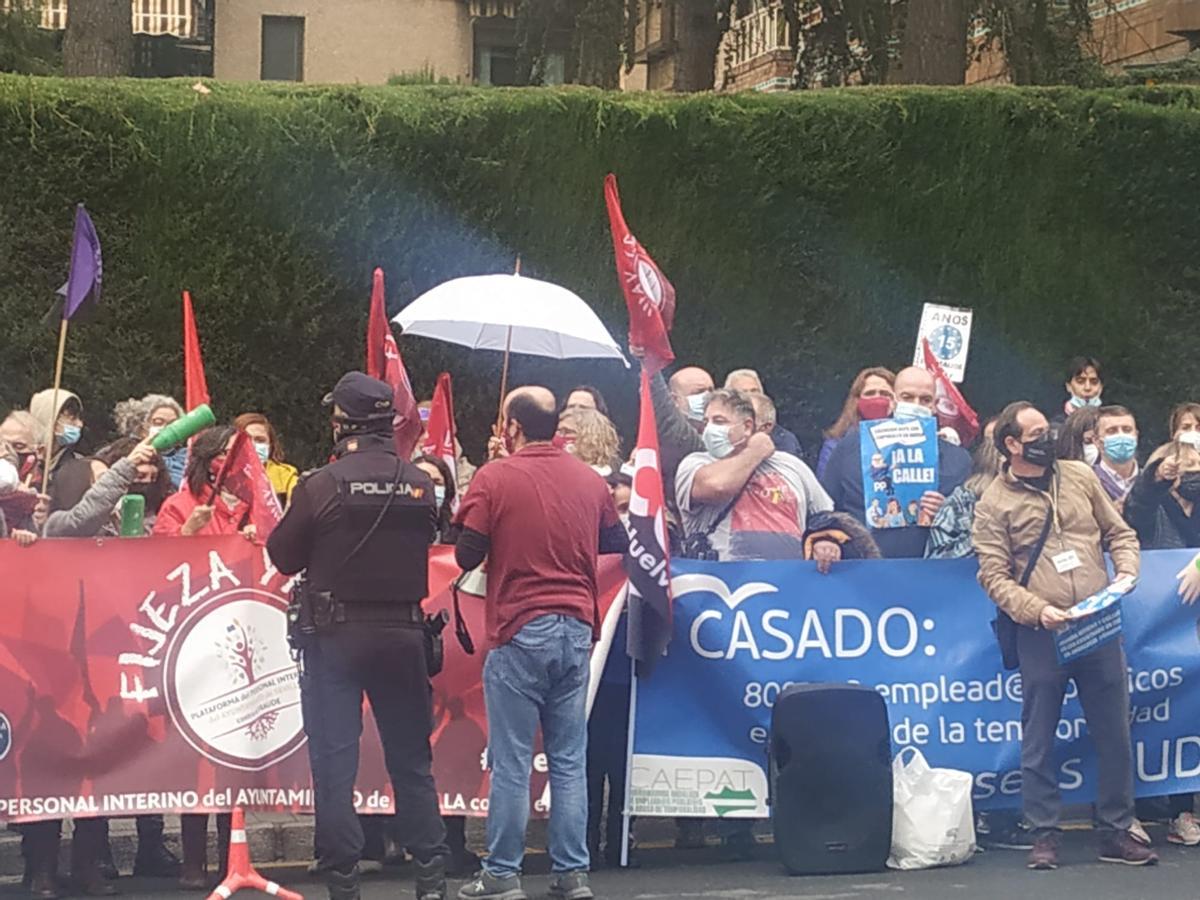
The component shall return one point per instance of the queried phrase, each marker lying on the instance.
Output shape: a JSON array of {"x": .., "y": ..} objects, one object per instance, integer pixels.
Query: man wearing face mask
[
  {"x": 748, "y": 381},
  {"x": 915, "y": 397},
  {"x": 1041, "y": 530},
  {"x": 752, "y": 501},
  {"x": 70, "y": 474},
  {"x": 1117, "y": 440},
  {"x": 361, "y": 527},
  {"x": 1085, "y": 384}
]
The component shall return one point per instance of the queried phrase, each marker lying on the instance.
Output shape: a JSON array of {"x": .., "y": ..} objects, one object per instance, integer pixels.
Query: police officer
[{"x": 361, "y": 527}]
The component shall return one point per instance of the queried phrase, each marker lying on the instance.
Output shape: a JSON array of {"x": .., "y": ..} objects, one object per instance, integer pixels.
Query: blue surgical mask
[
  {"x": 906, "y": 410},
  {"x": 1120, "y": 448},
  {"x": 176, "y": 462},
  {"x": 439, "y": 495},
  {"x": 696, "y": 404},
  {"x": 1080, "y": 402},
  {"x": 69, "y": 436},
  {"x": 263, "y": 451},
  {"x": 716, "y": 440}
]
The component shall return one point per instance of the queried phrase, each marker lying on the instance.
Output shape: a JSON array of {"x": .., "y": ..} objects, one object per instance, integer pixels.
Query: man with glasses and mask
[
  {"x": 1041, "y": 530},
  {"x": 916, "y": 397}
]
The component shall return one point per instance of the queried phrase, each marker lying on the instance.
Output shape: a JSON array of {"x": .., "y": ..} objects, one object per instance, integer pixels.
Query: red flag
[
  {"x": 195, "y": 387},
  {"x": 243, "y": 476},
  {"x": 648, "y": 295},
  {"x": 648, "y": 562},
  {"x": 440, "y": 437},
  {"x": 953, "y": 411},
  {"x": 384, "y": 363}
]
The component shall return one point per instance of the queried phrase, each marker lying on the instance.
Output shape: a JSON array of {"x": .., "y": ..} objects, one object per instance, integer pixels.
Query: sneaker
[
  {"x": 1122, "y": 847},
  {"x": 1184, "y": 830},
  {"x": 1138, "y": 833},
  {"x": 1017, "y": 836},
  {"x": 487, "y": 886},
  {"x": 1044, "y": 855},
  {"x": 571, "y": 886}
]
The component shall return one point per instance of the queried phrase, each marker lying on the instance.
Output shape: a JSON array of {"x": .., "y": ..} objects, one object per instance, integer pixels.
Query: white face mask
[
  {"x": 716, "y": 440},
  {"x": 906, "y": 410},
  {"x": 1091, "y": 454},
  {"x": 153, "y": 430},
  {"x": 10, "y": 478},
  {"x": 263, "y": 451},
  {"x": 1191, "y": 438},
  {"x": 696, "y": 404}
]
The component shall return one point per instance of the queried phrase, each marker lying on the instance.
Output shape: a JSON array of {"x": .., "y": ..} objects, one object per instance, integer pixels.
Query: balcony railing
[
  {"x": 175, "y": 17},
  {"x": 490, "y": 9},
  {"x": 763, "y": 31}
]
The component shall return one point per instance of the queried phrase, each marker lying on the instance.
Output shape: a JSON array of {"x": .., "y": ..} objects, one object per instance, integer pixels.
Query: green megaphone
[{"x": 183, "y": 428}]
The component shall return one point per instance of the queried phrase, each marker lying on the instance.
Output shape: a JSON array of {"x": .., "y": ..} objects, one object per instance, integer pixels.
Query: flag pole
[
  {"x": 626, "y": 804},
  {"x": 58, "y": 367},
  {"x": 504, "y": 370}
]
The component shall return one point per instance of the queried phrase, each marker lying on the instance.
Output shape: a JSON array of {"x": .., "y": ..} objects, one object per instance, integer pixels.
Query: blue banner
[{"x": 918, "y": 632}]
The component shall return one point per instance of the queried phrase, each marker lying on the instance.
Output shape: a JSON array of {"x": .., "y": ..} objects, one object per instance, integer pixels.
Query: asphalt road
[{"x": 704, "y": 875}]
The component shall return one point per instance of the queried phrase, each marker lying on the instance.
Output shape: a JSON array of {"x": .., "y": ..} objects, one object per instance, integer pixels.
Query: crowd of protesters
[{"x": 738, "y": 487}]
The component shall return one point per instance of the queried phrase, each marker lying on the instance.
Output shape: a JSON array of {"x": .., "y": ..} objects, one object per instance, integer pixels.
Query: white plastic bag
[{"x": 932, "y": 819}]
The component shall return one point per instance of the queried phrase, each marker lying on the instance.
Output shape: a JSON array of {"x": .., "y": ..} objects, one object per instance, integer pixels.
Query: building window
[
  {"x": 498, "y": 66},
  {"x": 282, "y": 48}
]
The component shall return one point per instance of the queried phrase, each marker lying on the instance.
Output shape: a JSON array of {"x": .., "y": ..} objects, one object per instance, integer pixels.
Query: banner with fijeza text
[
  {"x": 152, "y": 675},
  {"x": 918, "y": 632}
]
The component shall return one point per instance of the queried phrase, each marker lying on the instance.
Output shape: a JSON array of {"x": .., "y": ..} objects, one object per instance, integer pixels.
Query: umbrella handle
[{"x": 504, "y": 379}]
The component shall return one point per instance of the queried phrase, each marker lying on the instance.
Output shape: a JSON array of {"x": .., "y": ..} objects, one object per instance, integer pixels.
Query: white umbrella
[{"x": 512, "y": 314}]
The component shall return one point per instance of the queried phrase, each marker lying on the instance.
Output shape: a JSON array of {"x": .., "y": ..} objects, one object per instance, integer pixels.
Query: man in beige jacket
[{"x": 1009, "y": 521}]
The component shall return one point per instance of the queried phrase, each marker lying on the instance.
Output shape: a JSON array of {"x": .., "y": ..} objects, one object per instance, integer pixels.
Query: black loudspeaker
[{"x": 831, "y": 779}]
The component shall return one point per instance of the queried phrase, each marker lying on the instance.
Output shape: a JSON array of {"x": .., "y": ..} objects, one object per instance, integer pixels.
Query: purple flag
[{"x": 86, "y": 267}]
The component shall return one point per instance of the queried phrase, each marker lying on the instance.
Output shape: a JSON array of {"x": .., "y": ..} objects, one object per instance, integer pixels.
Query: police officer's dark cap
[{"x": 361, "y": 397}]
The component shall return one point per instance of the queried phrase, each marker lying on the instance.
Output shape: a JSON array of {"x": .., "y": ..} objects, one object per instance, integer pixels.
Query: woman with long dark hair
[{"x": 200, "y": 506}]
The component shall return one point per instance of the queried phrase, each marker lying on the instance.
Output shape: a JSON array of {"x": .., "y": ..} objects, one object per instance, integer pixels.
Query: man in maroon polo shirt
[{"x": 539, "y": 517}]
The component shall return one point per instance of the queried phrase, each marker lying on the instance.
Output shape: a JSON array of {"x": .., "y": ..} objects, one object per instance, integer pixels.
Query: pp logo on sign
[
  {"x": 946, "y": 341},
  {"x": 6, "y": 738},
  {"x": 232, "y": 686}
]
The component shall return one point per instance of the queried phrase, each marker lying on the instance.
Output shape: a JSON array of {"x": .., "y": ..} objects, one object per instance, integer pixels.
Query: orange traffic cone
[{"x": 241, "y": 873}]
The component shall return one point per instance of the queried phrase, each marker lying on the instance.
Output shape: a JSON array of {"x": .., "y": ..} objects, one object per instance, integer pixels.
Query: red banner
[{"x": 153, "y": 676}]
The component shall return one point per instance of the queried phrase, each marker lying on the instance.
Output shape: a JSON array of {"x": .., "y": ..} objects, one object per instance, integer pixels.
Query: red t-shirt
[{"x": 541, "y": 510}]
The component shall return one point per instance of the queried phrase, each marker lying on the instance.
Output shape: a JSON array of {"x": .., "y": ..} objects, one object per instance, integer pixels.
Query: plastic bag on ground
[{"x": 933, "y": 822}]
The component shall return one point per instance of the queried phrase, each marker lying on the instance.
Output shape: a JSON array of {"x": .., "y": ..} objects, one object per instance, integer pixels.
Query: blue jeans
[{"x": 541, "y": 675}]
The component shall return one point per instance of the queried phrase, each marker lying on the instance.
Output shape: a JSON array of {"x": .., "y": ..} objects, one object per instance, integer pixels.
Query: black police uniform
[{"x": 376, "y": 643}]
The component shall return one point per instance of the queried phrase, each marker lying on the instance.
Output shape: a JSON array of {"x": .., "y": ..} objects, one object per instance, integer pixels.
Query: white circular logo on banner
[
  {"x": 651, "y": 285},
  {"x": 233, "y": 689}
]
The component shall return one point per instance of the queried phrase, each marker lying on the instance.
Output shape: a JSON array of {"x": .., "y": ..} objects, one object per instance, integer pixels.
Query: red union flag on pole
[
  {"x": 195, "y": 386},
  {"x": 648, "y": 563},
  {"x": 648, "y": 295},
  {"x": 953, "y": 411},
  {"x": 440, "y": 436},
  {"x": 384, "y": 362},
  {"x": 243, "y": 476}
]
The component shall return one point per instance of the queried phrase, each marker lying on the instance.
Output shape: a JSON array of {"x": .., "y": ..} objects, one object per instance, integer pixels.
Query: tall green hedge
[{"x": 802, "y": 233}]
